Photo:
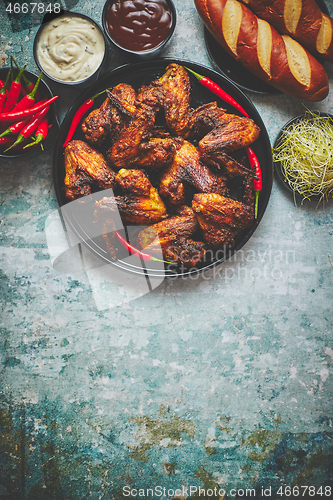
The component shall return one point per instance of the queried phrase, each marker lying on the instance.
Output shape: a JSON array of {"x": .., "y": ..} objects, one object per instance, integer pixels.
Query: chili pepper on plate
[
  {"x": 40, "y": 134},
  {"x": 79, "y": 115},
  {"x": 5, "y": 141},
  {"x": 3, "y": 94},
  {"x": 254, "y": 162},
  {"x": 29, "y": 99},
  {"x": 14, "y": 92},
  {"x": 216, "y": 89},
  {"x": 13, "y": 129},
  {"x": 135, "y": 251},
  {"x": 13, "y": 116},
  {"x": 257, "y": 182},
  {"x": 30, "y": 127},
  {"x": 28, "y": 84}
]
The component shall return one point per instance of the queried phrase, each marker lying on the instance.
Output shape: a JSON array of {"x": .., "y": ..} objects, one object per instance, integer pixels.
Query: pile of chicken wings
[{"x": 169, "y": 167}]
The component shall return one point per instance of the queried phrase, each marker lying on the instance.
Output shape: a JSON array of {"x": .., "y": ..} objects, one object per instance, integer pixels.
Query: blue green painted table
[{"x": 221, "y": 382}]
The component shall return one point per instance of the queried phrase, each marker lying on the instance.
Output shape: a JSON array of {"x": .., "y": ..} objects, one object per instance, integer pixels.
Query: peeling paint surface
[{"x": 221, "y": 382}]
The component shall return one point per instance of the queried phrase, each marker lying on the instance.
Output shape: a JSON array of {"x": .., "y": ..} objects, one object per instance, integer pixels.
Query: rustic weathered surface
[{"x": 220, "y": 382}]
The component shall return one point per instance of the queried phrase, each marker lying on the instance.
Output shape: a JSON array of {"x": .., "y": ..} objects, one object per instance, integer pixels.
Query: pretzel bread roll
[
  {"x": 278, "y": 60},
  {"x": 302, "y": 20}
]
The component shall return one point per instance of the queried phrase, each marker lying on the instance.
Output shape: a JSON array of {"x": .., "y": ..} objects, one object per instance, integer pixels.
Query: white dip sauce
[{"x": 70, "y": 48}]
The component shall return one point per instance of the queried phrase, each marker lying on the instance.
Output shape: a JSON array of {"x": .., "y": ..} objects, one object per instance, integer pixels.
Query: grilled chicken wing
[
  {"x": 111, "y": 116},
  {"x": 186, "y": 167},
  {"x": 171, "y": 92},
  {"x": 168, "y": 230},
  {"x": 156, "y": 153},
  {"x": 142, "y": 204},
  {"x": 220, "y": 131},
  {"x": 221, "y": 218},
  {"x": 125, "y": 150},
  {"x": 233, "y": 133},
  {"x": 176, "y": 98},
  {"x": 85, "y": 167},
  {"x": 172, "y": 236},
  {"x": 204, "y": 119}
]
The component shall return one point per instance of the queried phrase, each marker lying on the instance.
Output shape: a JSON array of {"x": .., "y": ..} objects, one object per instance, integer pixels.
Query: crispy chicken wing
[
  {"x": 156, "y": 153},
  {"x": 184, "y": 251},
  {"x": 85, "y": 168},
  {"x": 111, "y": 116},
  {"x": 204, "y": 119},
  {"x": 171, "y": 92},
  {"x": 176, "y": 98},
  {"x": 142, "y": 204},
  {"x": 168, "y": 230},
  {"x": 220, "y": 131},
  {"x": 186, "y": 168},
  {"x": 172, "y": 236},
  {"x": 233, "y": 133},
  {"x": 221, "y": 218},
  {"x": 125, "y": 151}
]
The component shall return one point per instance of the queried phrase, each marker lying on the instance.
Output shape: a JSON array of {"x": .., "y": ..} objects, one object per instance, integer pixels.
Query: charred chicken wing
[
  {"x": 142, "y": 204},
  {"x": 176, "y": 98},
  {"x": 85, "y": 168},
  {"x": 186, "y": 168},
  {"x": 221, "y": 218},
  {"x": 234, "y": 133},
  {"x": 172, "y": 237},
  {"x": 110, "y": 117}
]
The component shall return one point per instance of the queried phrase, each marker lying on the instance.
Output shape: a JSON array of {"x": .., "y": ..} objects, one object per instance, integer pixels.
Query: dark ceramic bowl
[
  {"x": 140, "y": 54},
  {"x": 278, "y": 168},
  {"x": 92, "y": 78},
  {"x": 44, "y": 92}
]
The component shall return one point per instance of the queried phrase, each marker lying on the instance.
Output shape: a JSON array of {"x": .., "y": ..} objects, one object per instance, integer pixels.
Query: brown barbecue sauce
[{"x": 139, "y": 25}]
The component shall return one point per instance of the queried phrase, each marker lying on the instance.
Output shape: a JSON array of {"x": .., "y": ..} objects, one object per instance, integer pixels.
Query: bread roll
[
  {"x": 301, "y": 19},
  {"x": 278, "y": 60}
]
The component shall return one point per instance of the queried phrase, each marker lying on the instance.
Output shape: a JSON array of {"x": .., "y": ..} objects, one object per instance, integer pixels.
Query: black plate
[
  {"x": 44, "y": 92},
  {"x": 279, "y": 173},
  {"x": 234, "y": 70},
  {"x": 142, "y": 74}
]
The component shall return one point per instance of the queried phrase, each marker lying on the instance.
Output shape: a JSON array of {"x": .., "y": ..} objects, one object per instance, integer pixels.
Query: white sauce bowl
[{"x": 70, "y": 48}]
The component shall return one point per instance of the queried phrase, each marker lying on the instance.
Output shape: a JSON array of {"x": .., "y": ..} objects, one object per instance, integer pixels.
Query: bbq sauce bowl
[
  {"x": 139, "y": 27},
  {"x": 70, "y": 48}
]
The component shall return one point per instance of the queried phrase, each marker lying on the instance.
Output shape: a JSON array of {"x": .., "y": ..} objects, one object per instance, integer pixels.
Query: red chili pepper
[
  {"x": 216, "y": 89},
  {"x": 29, "y": 99},
  {"x": 1, "y": 84},
  {"x": 13, "y": 116},
  {"x": 3, "y": 94},
  {"x": 4, "y": 141},
  {"x": 29, "y": 85},
  {"x": 135, "y": 251},
  {"x": 254, "y": 162},
  {"x": 14, "y": 92},
  {"x": 30, "y": 127},
  {"x": 257, "y": 182},
  {"x": 13, "y": 129},
  {"x": 40, "y": 134},
  {"x": 79, "y": 115}
]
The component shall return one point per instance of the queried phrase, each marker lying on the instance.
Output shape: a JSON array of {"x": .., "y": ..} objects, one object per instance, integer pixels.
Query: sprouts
[{"x": 305, "y": 153}]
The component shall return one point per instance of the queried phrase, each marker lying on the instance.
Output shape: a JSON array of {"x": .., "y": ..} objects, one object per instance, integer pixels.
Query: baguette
[
  {"x": 278, "y": 60},
  {"x": 302, "y": 20}
]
